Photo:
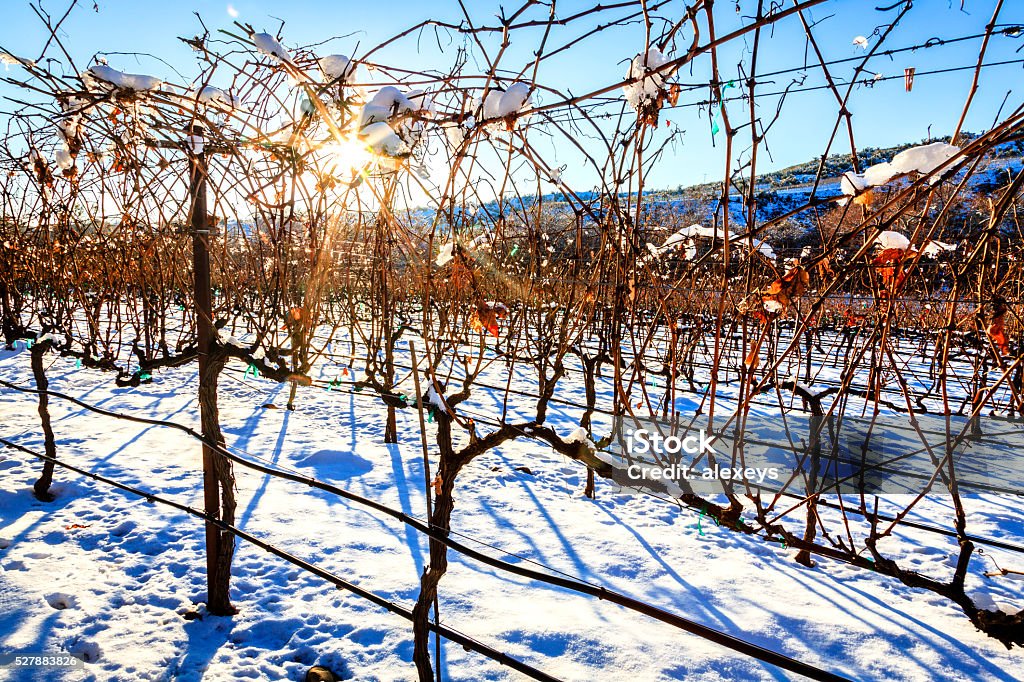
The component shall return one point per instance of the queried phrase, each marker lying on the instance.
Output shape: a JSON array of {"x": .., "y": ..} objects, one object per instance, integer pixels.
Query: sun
[{"x": 337, "y": 165}]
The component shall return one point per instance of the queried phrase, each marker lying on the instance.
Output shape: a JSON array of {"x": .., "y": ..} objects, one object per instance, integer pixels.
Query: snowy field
[{"x": 105, "y": 574}]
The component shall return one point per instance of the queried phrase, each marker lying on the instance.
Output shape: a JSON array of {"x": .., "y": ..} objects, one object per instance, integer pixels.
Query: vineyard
[{"x": 295, "y": 321}]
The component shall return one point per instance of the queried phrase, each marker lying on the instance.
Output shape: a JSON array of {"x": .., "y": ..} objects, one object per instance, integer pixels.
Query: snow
[
  {"x": 646, "y": 89},
  {"x": 338, "y": 67},
  {"x": 684, "y": 238},
  {"x": 515, "y": 99},
  {"x": 499, "y": 110},
  {"x": 581, "y": 436},
  {"x": 101, "y": 77},
  {"x": 217, "y": 97},
  {"x": 924, "y": 159},
  {"x": 382, "y": 139},
  {"x": 108, "y": 575},
  {"x": 126, "y": 578},
  {"x": 435, "y": 398},
  {"x": 70, "y": 127},
  {"x": 764, "y": 248},
  {"x": 481, "y": 241},
  {"x": 455, "y": 133},
  {"x": 386, "y": 104},
  {"x": 714, "y": 232},
  {"x": 270, "y": 46},
  {"x": 498, "y": 307},
  {"x": 9, "y": 60},
  {"x": 879, "y": 174},
  {"x": 888, "y": 239},
  {"x": 446, "y": 255},
  {"x": 935, "y": 248},
  {"x": 680, "y": 237},
  {"x": 851, "y": 183},
  {"x": 492, "y": 104},
  {"x": 62, "y": 157},
  {"x": 422, "y": 100},
  {"x": 499, "y": 104}
]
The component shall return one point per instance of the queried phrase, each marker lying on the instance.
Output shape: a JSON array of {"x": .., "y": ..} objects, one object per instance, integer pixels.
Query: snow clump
[
  {"x": 338, "y": 68},
  {"x": 101, "y": 77},
  {"x": 270, "y": 46}
]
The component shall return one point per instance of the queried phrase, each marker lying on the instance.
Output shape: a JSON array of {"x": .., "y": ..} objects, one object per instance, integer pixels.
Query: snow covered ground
[{"x": 110, "y": 576}]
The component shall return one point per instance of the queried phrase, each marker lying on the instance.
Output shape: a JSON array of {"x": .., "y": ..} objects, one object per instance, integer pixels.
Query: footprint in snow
[
  {"x": 61, "y": 600},
  {"x": 122, "y": 529},
  {"x": 88, "y": 650}
]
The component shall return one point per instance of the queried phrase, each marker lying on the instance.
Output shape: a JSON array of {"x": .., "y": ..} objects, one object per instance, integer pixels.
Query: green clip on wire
[
  {"x": 252, "y": 370},
  {"x": 721, "y": 107}
]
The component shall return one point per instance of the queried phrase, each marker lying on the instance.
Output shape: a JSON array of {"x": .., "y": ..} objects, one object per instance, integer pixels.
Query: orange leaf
[
  {"x": 485, "y": 317},
  {"x": 673, "y": 94},
  {"x": 996, "y": 330},
  {"x": 998, "y": 336},
  {"x": 864, "y": 198},
  {"x": 890, "y": 267},
  {"x": 777, "y": 296}
]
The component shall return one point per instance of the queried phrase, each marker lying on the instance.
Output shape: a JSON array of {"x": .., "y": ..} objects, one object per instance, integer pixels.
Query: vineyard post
[
  {"x": 217, "y": 589},
  {"x": 426, "y": 492}
]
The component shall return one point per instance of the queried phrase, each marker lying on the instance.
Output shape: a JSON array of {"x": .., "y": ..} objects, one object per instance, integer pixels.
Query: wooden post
[
  {"x": 426, "y": 490},
  {"x": 216, "y": 588}
]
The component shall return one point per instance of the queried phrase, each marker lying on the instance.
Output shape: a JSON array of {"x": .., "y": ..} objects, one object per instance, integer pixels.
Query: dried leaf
[
  {"x": 673, "y": 94},
  {"x": 997, "y": 333},
  {"x": 461, "y": 276},
  {"x": 782, "y": 292},
  {"x": 890, "y": 267},
  {"x": 996, "y": 329},
  {"x": 865, "y": 198},
  {"x": 485, "y": 317}
]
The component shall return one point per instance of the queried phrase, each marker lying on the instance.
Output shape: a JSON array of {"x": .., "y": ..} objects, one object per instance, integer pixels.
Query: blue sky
[{"x": 883, "y": 115}]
